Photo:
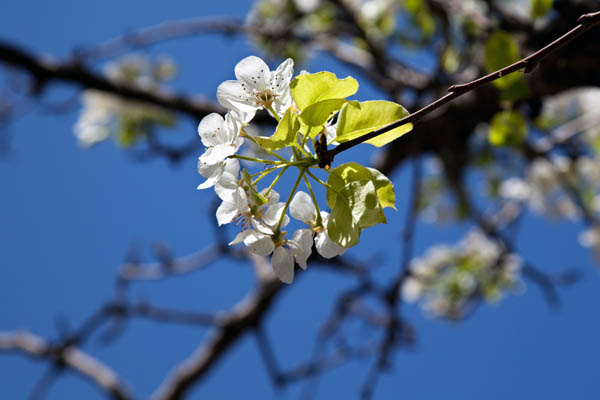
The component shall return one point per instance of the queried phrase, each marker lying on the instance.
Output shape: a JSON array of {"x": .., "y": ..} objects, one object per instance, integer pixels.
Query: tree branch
[
  {"x": 70, "y": 357},
  {"x": 45, "y": 71},
  {"x": 528, "y": 63},
  {"x": 246, "y": 315}
]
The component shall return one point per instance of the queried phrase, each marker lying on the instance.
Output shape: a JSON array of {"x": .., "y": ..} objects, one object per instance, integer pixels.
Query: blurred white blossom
[{"x": 446, "y": 279}]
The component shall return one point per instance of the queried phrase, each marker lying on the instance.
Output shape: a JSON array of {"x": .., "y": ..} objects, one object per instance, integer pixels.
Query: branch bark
[
  {"x": 70, "y": 357},
  {"x": 528, "y": 63}
]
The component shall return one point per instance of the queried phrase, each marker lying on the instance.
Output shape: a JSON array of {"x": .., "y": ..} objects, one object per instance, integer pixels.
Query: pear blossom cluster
[
  {"x": 447, "y": 278},
  {"x": 105, "y": 115},
  {"x": 258, "y": 211}
]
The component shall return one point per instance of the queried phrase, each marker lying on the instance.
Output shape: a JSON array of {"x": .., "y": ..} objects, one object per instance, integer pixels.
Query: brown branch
[
  {"x": 244, "y": 317},
  {"x": 69, "y": 357},
  {"x": 45, "y": 71},
  {"x": 585, "y": 22},
  {"x": 151, "y": 312},
  {"x": 161, "y": 32}
]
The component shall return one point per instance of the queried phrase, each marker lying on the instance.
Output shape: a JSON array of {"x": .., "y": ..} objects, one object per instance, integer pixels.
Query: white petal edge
[{"x": 283, "y": 264}]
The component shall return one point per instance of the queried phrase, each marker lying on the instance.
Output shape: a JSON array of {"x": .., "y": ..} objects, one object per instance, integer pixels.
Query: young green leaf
[
  {"x": 351, "y": 172},
  {"x": 355, "y": 121},
  {"x": 539, "y": 8},
  {"x": 285, "y": 134},
  {"x": 320, "y": 112},
  {"x": 502, "y": 50},
  {"x": 308, "y": 89},
  {"x": 356, "y": 208},
  {"x": 508, "y": 128}
]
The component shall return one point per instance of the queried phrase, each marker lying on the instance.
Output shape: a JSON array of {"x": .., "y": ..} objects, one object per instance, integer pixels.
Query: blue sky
[{"x": 68, "y": 216}]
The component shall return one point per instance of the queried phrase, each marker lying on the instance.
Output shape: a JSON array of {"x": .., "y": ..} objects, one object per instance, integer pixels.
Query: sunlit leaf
[
  {"x": 285, "y": 134},
  {"x": 502, "y": 50},
  {"x": 356, "y": 208},
  {"x": 540, "y": 8},
  {"x": 351, "y": 172},
  {"x": 357, "y": 119},
  {"x": 508, "y": 128},
  {"x": 308, "y": 89}
]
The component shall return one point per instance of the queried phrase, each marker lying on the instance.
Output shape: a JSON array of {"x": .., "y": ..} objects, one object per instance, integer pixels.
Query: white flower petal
[
  {"x": 283, "y": 264},
  {"x": 257, "y": 242},
  {"x": 302, "y": 208},
  {"x": 412, "y": 289},
  {"x": 227, "y": 186},
  {"x": 282, "y": 76},
  {"x": 273, "y": 214},
  {"x": 212, "y": 173},
  {"x": 272, "y": 197},
  {"x": 232, "y": 95},
  {"x": 218, "y": 153},
  {"x": 212, "y": 130},
  {"x": 327, "y": 247},
  {"x": 301, "y": 246},
  {"x": 253, "y": 72},
  {"x": 232, "y": 166},
  {"x": 260, "y": 244},
  {"x": 239, "y": 238},
  {"x": 227, "y": 212}
]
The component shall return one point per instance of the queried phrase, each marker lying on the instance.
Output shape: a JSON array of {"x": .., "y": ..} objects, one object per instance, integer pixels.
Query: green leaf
[
  {"x": 539, "y": 8},
  {"x": 516, "y": 89},
  {"x": 356, "y": 208},
  {"x": 357, "y": 119},
  {"x": 320, "y": 112},
  {"x": 421, "y": 16},
  {"x": 508, "y": 128},
  {"x": 308, "y": 89},
  {"x": 285, "y": 134},
  {"x": 501, "y": 50},
  {"x": 340, "y": 176}
]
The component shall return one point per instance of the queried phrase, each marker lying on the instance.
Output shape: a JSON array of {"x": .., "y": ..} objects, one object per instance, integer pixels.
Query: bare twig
[
  {"x": 528, "y": 63},
  {"x": 247, "y": 314},
  {"x": 45, "y": 70},
  {"x": 70, "y": 357}
]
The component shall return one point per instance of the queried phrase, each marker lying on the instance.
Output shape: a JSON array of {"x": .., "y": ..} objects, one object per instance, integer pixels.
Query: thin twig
[
  {"x": 71, "y": 357},
  {"x": 585, "y": 22}
]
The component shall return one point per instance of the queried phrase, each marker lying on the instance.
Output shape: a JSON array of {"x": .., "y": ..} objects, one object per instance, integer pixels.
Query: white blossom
[
  {"x": 263, "y": 240},
  {"x": 220, "y": 136},
  {"x": 95, "y": 121},
  {"x": 303, "y": 209},
  {"x": 257, "y": 87},
  {"x": 446, "y": 278},
  {"x": 103, "y": 114}
]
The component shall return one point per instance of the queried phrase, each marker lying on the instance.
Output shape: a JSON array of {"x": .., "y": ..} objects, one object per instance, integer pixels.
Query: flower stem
[
  {"x": 258, "y": 160},
  {"x": 299, "y": 147},
  {"x": 274, "y": 114},
  {"x": 270, "y": 152},
  {"x": 328, "y": 186},
  {"x": 287, "y": 203},
  {"x": 262, "y": 174},
  {"x": 275, "y": 180},
  {"x": 314, "y": 198},
  {"x": 265, "y": 171}
]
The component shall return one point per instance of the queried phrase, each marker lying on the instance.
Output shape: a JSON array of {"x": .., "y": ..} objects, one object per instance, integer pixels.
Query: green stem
[
  {"x": 261, "y": 175},
  {"x": 287, "y": 203},
  {"x": 328, "y": 186},
  {"x": 258, "y": 160},
  {"x": 314, "y": 198},
  {"x": 270, "y": 152},
  {"x": 265, "y": 171},
  {"x": 274, "y": 114},
  {"x": 299, "y": 147},
  {"x": 275, "y": 181}
]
